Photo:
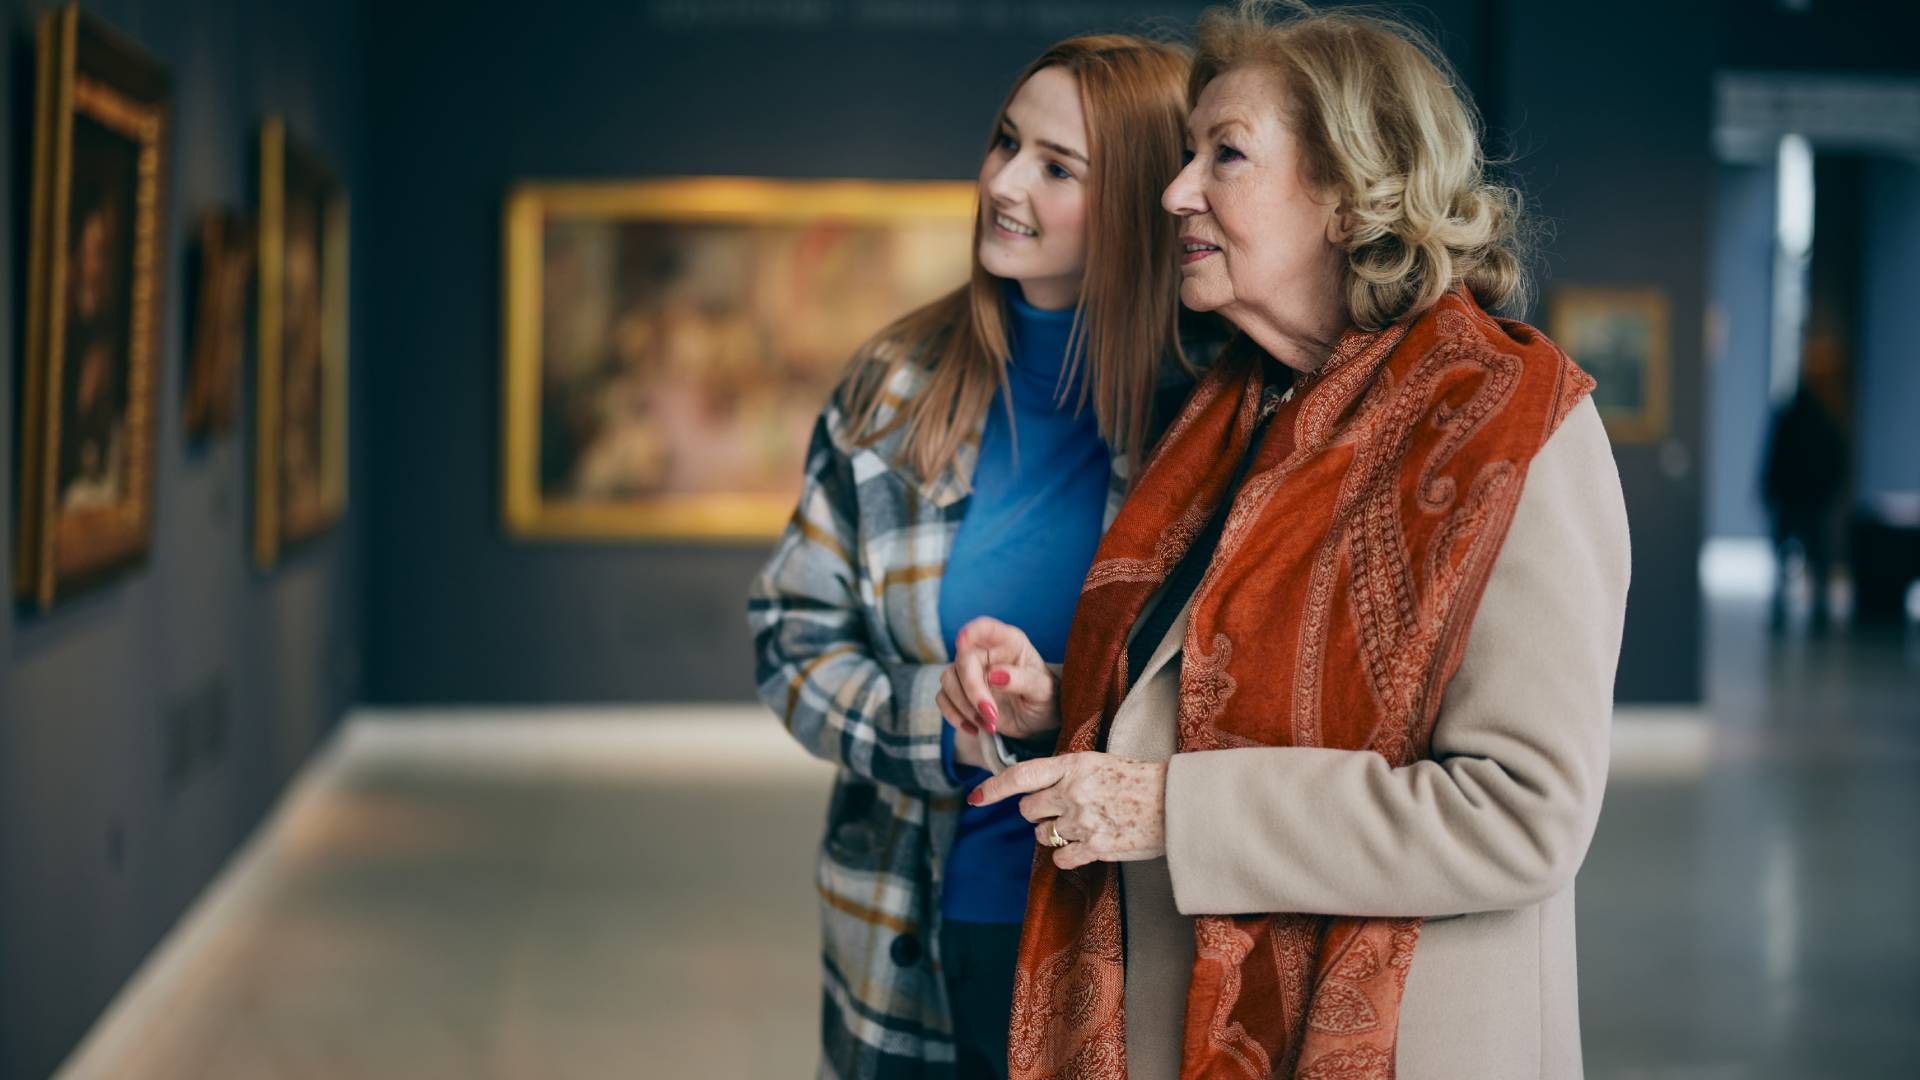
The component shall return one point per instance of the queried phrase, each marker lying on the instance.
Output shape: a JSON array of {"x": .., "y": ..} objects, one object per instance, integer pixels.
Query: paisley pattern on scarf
[{"x": 1333, "y": 613}]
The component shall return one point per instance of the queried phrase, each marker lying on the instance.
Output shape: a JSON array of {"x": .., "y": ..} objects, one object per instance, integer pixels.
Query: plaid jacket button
[
  {"x": 905, "y": 950},
  {"x": 853, "y": 840}
]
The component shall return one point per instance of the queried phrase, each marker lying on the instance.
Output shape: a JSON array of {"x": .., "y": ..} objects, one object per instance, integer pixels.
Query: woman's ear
[{"x": 1340, "y": 225}]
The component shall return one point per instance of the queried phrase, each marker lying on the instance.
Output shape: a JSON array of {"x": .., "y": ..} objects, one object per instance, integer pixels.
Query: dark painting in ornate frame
[
  {"x": 221, "y": 276},
  {"x": 94, "y": 284},
  {"x": 300, "y": 391}
]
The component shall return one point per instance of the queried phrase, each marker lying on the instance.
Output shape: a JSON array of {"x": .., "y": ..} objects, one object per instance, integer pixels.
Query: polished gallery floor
[{"x": 629, "y": 894}]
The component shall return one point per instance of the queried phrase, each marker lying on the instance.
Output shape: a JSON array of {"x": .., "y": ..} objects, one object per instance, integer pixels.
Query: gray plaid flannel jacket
[{"x": 846, "y": 622}]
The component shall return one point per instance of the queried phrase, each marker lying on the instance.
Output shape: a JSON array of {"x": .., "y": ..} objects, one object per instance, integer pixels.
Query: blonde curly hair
[{"x": 1385, "y": 126}]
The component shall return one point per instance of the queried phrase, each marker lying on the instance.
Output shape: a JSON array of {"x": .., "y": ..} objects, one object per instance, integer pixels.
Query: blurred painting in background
[
  {"x": 300, "y": 466},
  {"x": 669, "y": 344},
  {"x": 100, "y": 163},
  {"x": 220, "y": 272},
  {"x": 1618, "y": 336}
]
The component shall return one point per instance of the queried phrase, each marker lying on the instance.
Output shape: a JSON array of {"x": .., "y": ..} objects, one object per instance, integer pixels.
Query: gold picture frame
[
  {"x": 1621, "y": 337},
  {"x": 94, "y": 281},
  {"x": 300, "y": 392},
  {"x": 695, "y": 328}
]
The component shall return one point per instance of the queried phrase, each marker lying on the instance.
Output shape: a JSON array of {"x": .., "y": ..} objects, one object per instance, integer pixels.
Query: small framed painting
[
  {"x": 1620, "y": 337},
  {"x": 221, "y": 271}
]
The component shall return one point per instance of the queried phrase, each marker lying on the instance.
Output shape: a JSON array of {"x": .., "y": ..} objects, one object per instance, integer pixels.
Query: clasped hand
[
  {"x": 1107, "y": 808},
  {"x": 998, "y": 681}
]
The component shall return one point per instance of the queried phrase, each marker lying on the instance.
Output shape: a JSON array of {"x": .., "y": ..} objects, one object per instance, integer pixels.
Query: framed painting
[
  {"x": 300, "y": 395},
  {"x": 668, "y": 344},
  {"x": 221, "y": 270},
  {"x": 100, "y": 163},
  {"x": 1620, "y": 337}
]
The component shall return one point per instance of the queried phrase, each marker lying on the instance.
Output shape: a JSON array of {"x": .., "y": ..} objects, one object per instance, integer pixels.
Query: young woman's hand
[{"x": 998, "y": 681}]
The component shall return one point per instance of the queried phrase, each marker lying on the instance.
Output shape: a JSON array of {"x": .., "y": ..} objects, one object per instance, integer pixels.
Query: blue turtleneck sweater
[{"x": 1021, "y": 553}]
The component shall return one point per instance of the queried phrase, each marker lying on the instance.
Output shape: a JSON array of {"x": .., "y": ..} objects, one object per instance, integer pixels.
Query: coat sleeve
[
  {"x": 1501, "y": 815},
  {"x": 815, "y": 663}
]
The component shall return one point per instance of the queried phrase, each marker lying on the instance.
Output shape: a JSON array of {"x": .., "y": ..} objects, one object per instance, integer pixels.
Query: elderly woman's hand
[
  {"x": 997, "y": 679},
  {"x": 1106, "y": 808}
]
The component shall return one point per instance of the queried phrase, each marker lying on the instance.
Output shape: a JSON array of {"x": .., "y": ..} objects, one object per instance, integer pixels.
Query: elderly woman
[{"x": 1334, "y": 714}]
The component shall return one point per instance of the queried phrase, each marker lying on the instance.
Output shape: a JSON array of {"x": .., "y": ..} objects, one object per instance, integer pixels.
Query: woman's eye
[
  {"x": 1004, "y": 141},
  {"x": 1228, "y": 153},
  {"x": 1186, "y": 157},
  {"x": 1055, "y": 170}
]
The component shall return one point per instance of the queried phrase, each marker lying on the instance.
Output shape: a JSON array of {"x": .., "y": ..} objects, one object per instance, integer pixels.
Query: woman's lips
[
  {"x": 1029, "y": 232},
  {"x": 1193, "y": 249}
]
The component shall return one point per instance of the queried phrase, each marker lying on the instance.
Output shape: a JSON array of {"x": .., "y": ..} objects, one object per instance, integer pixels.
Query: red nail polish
[
  {"x": 974, "y": 797},
  {"x": 990, "y": 714},
  {"x": 998, "y": 677}
]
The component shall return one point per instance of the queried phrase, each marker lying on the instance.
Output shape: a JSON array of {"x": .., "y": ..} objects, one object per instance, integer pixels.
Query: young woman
[{"x": 966, "y": 468}]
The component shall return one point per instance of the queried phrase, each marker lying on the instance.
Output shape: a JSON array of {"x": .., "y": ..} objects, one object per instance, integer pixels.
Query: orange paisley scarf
[{"x": 1334, "y": 611}]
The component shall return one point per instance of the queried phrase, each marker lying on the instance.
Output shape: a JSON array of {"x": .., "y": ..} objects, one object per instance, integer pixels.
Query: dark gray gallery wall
[
  {"x": 1607, "y": 108},
  {"x": 475, "y": 98},
  {"x": 1887, "y": 417},
  {"x": 100, "y": 848},
  {"x": 1612, "y": 123},
  {"x": 1738, "y": 340}
]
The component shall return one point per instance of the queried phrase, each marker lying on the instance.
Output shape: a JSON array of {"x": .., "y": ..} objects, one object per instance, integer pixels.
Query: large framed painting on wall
[
  {"x": 668, "y": 344},
  {"x": 300, "y": 393},
  {"x": 1620, "y": 337},
  {"x": 100, "y": 165}
]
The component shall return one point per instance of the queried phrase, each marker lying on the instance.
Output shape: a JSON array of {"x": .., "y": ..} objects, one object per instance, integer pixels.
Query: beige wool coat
[{"x": 1482, "y": 840}]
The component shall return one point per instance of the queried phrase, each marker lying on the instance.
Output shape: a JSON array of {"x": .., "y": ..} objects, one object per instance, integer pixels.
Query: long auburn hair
[{"x": 1133, "y": 92}]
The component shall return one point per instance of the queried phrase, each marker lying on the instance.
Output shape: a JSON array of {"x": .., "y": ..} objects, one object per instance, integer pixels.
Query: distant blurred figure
[{"x": 1802, "y": 478}]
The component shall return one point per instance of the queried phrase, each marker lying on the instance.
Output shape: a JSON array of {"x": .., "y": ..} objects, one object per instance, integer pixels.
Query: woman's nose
[
  {"x": 1009, "y": 181},
  {"x": 1182, "y": 197}
]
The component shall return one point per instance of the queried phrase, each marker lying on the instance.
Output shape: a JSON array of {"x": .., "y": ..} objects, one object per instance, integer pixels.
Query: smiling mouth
[
  {"x": 1007, "y": 224},
  {"x": 1194, "y": 251}
]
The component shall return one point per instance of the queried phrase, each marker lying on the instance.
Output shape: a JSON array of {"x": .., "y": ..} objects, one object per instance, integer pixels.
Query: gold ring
[{"x": 1054, "y": 839}]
